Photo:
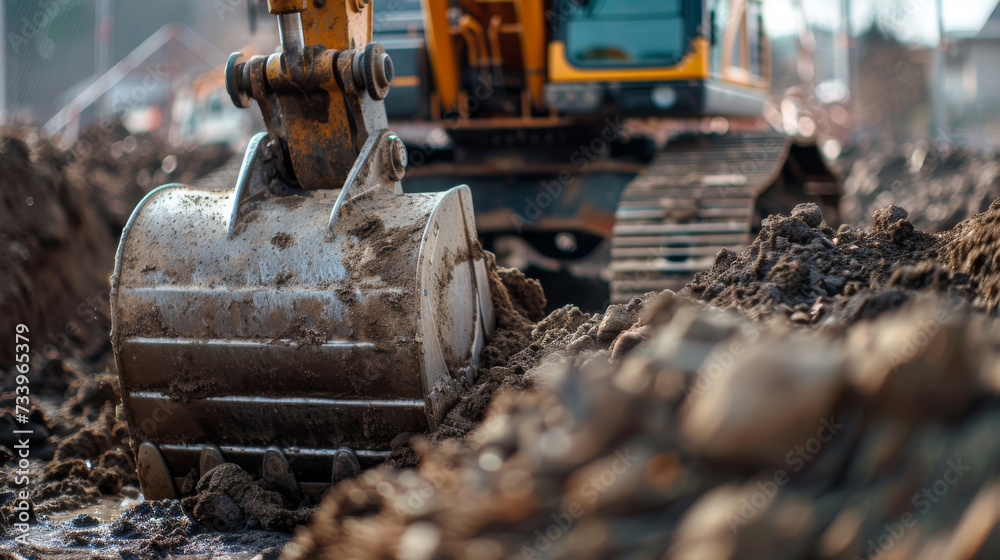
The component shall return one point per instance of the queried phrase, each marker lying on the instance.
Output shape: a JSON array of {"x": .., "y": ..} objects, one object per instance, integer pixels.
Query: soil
[
  {"x": 54, "y": 252},
  {"x": 61, "y": 214},
  {"x": 800, "y": 269},
  {"x": 227, "y": 498},
  {"x": 282, "y": 240},
  {"x": 941, "y": 185},
  {"x": 116, "y": 169},
  {"x": 685, "y": 446},
  {"x": 974, "y": 249},
  {"x": 82, "y": 445},
  {"x": 803, "y": 399},
  {"x": 811, "y": 447}
]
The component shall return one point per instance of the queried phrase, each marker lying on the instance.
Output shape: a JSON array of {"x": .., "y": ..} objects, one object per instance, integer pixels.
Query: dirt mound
[
  {"x": 61, "y": 213},
  {"x": 715, "y": 439},
  {"x": 55, "y": 252},
  {"x": 943, "y": 186},
  {"x": 82, "y": 448},
  {"x": 117, "y": 168},
  {"x": 521, "y": 349},
  {"x": 974, "y": 249},
  {"x": 799, "y": 269}
]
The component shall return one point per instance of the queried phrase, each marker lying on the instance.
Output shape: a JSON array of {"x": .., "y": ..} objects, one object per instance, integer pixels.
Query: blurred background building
[
  {"x": 68, "y": 63},
  {"x": 973, "y": 82}
]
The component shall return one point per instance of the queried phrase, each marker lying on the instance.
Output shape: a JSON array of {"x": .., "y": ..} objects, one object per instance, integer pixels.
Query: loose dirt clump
[
  {"x": 227, "y": 498},
  {"x": 520, "y": 349},
  {"x": 808, "y": 273},
  {"x": 719, "y": 439},
  {"x": 282, "y": 240}
]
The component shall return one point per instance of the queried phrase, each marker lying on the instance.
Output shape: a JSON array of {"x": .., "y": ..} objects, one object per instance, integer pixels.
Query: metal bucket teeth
[{"x": 247, "y": 321}]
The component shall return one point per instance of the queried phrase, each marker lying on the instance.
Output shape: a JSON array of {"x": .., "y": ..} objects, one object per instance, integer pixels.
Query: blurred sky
[{"x": 909, "y": 20}]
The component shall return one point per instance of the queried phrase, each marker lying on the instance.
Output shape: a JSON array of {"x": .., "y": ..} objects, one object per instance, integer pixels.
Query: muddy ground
[{"x": 823, "y": 394}]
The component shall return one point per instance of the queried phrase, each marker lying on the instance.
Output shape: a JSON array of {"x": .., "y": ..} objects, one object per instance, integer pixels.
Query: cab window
[{"x": 626, "y": 33}]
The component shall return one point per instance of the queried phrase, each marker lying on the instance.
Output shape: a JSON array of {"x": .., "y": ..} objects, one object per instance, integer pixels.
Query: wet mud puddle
[{"x": 116, "y": 527}]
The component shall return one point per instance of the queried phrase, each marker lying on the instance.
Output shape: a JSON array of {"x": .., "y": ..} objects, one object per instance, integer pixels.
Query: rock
[
  {"x": 915, "y": 362},
  {"x": 84, "y": 520},
  {"x": 755, "y": 408},
  {"x": 800, "y": 317},
  {"x": 620, "y": 317},
  {"x": 582, "y": 344},
  {"x": 626, "y": 342},
  {"x": 218, "y": 511}
]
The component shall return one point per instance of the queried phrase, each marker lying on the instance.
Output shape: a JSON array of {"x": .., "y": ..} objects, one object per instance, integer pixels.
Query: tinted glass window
[
  {"x": 394, "y": 5},
  {"x": 643, "y": 8},
  {"x": 626, "y": 33}
]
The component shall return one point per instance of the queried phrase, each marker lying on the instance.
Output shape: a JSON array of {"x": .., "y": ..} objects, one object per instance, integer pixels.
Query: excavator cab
[
  {"x": 615, "y": 146},
  {"x": 298, "y": 322},
  {"x": 644, "y": 58}
]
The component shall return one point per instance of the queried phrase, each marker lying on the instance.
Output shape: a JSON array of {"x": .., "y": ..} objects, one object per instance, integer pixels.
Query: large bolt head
[
  {"x": 238, "y": 93},
  {"x": 378, "y": 70},
  {"x": 397, "y": 158}
]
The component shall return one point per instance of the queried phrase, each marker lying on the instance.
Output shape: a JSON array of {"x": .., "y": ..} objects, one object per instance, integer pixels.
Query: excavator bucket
[
  {"x": 295, "y": 334},
  {"x": 300, "y": 322}
]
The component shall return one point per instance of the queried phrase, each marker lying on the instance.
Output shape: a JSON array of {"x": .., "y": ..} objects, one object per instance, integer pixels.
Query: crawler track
[{"x": 698, "y": 196}]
